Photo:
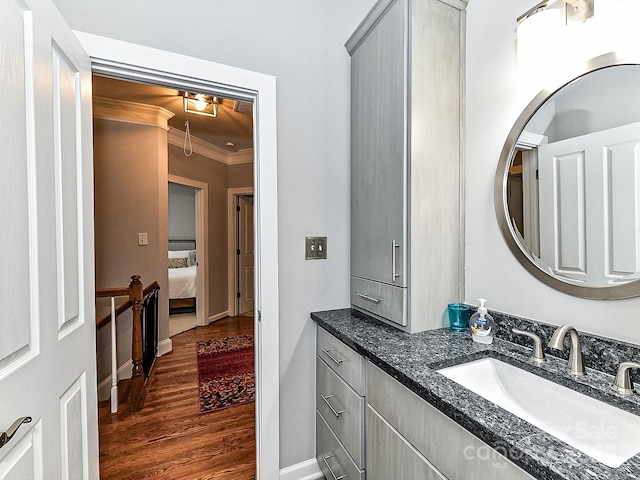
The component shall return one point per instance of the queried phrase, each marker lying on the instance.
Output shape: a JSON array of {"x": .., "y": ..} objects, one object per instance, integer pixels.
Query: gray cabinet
[
  {"x": 424, "y": 438},
  {"x": 406, "y": 248},
  {"x": 390, "y": 455},
  {"x": 340, "y": 386}
]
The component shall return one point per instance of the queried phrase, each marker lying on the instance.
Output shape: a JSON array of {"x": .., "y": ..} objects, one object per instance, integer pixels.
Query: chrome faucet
[
  {"x": 574, "y": 366},
  {"x": 537, "y": 354},
  {"x": 622, "y": 383}
]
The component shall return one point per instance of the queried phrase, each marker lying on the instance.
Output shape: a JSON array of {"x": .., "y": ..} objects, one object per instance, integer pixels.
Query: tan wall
[
  {"x": 241, "y": 175},
  {"x": 130, "y": 165},
  {"x": 214, "y": 174}
]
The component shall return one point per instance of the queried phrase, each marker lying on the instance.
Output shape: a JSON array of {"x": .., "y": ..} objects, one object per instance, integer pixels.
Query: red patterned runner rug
[{"x": 225, "y": 372}]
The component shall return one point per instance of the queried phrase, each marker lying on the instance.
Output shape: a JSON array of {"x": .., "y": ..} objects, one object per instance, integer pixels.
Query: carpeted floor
[
  {"x": 225, "y": 372},
  {"x": 181, "y": 322}
]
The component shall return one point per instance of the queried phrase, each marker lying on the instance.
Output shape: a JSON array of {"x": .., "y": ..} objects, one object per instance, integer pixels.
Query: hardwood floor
[{"x": 168, "y": 438}]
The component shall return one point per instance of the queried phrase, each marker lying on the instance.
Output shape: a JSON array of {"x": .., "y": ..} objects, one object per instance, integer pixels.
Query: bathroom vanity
[{"x": 417, "y": 423}]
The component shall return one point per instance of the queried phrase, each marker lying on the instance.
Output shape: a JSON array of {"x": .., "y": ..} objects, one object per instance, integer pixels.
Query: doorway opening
[
  {"x": 187, "y": 214},
  {"x": 135, "y": 62},
  {"x": 202, "y": 170}
]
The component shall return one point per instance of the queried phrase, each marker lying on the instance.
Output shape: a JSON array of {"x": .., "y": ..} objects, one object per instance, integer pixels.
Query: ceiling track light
[
  {"x": 200, "y": 104},
  {"x": 576, "y": 10}
]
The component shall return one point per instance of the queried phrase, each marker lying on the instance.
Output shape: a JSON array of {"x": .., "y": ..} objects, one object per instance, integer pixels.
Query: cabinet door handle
[
  {"x": 394, "y": 274},
  {"x": 8, "y": 435},
  {"x": 371, "y": 299},
  {"x": 326, "y": 400},
  {"x": 326, "y": 462},
  {"x": 337, "y": 361}
]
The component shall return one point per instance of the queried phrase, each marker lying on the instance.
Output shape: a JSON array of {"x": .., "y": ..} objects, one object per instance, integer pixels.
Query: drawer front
[
  {"x": 453, "y": 450},
  {"x": 342, "y": 408},
  {"x": 386, "y": 301},
  {"x": 333, "y": 459},
  {"x": 389, "y": 456},
  {"x": 342, "y": 359}
]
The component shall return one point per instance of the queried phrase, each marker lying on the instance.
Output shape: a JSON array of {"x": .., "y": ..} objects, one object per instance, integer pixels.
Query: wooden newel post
[{"x": 137, "y": 377}]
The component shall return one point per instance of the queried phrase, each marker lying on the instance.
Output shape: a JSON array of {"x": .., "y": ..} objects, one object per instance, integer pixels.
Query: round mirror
[{"x": 567, "y": 190}]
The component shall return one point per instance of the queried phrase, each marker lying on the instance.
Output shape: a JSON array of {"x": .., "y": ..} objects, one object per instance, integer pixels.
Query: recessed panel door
[
  {"x": 47, "y": 320},
  {"x": 245, "y": 254},
  {"x": 589, "y": 210}
]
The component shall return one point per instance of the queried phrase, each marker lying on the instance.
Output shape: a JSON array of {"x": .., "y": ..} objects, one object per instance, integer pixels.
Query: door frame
[
  {"x": 149, "y": 65},
  {"x": 202, "y": 244},
  {"x": 232, "y": 278}
]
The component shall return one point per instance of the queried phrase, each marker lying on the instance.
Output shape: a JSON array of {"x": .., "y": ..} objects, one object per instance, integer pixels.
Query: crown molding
[
  {"x": 241, "y": 156},
  {"x": 206, "y": 149},
  {"x": 131, "y": 112}
]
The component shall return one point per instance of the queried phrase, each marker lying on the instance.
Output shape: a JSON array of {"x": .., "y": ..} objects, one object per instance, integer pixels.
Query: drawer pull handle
[
  {"x": 326, "y": 400},
  {"x": 338, "y": 361},
  {"x": 326, "y": 462},
  {"x": 371, "y": 299}
]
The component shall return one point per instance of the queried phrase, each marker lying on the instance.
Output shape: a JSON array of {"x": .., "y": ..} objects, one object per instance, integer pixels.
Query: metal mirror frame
[{"x": 627, "y": 290}]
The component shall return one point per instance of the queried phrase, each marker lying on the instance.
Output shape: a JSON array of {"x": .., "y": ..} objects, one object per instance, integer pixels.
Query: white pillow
[
  {"x": 178, "y": 253},
  {"x": 191, "y": 260}
]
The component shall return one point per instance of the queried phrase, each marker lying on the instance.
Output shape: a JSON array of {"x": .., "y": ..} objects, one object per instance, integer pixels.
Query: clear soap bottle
[{"x": 482, "y": 325}]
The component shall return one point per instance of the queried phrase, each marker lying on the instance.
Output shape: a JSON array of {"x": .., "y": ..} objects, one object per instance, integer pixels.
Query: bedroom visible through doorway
[{"x": 187, "y": 284}]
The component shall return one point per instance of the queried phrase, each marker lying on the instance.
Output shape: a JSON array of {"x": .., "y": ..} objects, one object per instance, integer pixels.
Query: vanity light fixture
[
  {"x": 200, "y": 104},
  {"x": 576, "y": 10}
]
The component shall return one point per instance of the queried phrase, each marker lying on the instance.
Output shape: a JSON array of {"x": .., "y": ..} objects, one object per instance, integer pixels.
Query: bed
[{"x": 182, "y": 276}]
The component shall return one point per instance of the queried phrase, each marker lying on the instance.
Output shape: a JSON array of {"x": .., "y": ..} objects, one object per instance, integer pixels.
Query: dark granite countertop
[{"x": 413, "y": 359}]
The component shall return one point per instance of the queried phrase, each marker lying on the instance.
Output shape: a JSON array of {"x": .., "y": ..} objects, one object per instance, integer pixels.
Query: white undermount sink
[{"x": 603, "y": 432}]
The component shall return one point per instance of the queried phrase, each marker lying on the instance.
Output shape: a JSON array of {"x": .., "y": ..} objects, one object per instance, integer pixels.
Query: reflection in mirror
[{"x": 567, "y": 188}]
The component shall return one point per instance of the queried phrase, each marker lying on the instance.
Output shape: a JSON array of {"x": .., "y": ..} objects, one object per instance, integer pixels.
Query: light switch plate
[
  {"x": 143, "y": 239},
  {"x": 315, "y": 248}
]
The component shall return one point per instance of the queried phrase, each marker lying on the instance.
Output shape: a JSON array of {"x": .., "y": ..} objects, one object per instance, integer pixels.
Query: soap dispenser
[{"x": 482, "y": 325}]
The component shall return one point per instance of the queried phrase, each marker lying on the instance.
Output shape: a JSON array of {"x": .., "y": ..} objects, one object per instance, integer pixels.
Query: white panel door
[
  {"x": 47, "y": 320},
  {"x": 589, "y": 210},
  {"x": 246, "y": 254}
]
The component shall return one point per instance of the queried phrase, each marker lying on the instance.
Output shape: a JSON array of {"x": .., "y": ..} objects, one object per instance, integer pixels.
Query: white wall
[
  {"x": 494, "y": 101},
  {"x": 300, "y": 42}
]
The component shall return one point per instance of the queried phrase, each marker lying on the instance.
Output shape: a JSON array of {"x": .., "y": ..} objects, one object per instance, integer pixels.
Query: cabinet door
[
  {"x": 389, "y": 455},
  {"x": 454, "y": 451},
  {"x": 378, "y": 151}
]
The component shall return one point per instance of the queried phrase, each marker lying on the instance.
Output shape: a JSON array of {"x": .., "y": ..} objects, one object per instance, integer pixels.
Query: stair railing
[{"x": 144, "y": 337}]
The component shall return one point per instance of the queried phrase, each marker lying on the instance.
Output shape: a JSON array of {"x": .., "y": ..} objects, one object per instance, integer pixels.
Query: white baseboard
[
  {"x": 307, "y": 470},
  {"x": 104, "y": 388},
  {"x": 218, "y": 316},
  {"x": 165, "y": 346}
]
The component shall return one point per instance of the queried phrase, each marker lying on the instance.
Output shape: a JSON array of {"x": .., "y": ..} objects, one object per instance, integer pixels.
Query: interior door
[
  {"x": 245, "y": 254},
  {"x": 589, "y": 213},
  {"x": 47, "y": 319},
  {"x": 378, "y": 152}
]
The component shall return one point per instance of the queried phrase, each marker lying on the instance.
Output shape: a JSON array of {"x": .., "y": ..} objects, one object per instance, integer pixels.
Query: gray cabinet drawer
[
  {"x": 391, "y": 456},
  {"x": 453, "y": 450},
  {"x": 342, "y": 359},
  {"x": 342, "y": 408},
  {"x": 333, "y": 459},
  {"x": 386, "y": 301}
]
